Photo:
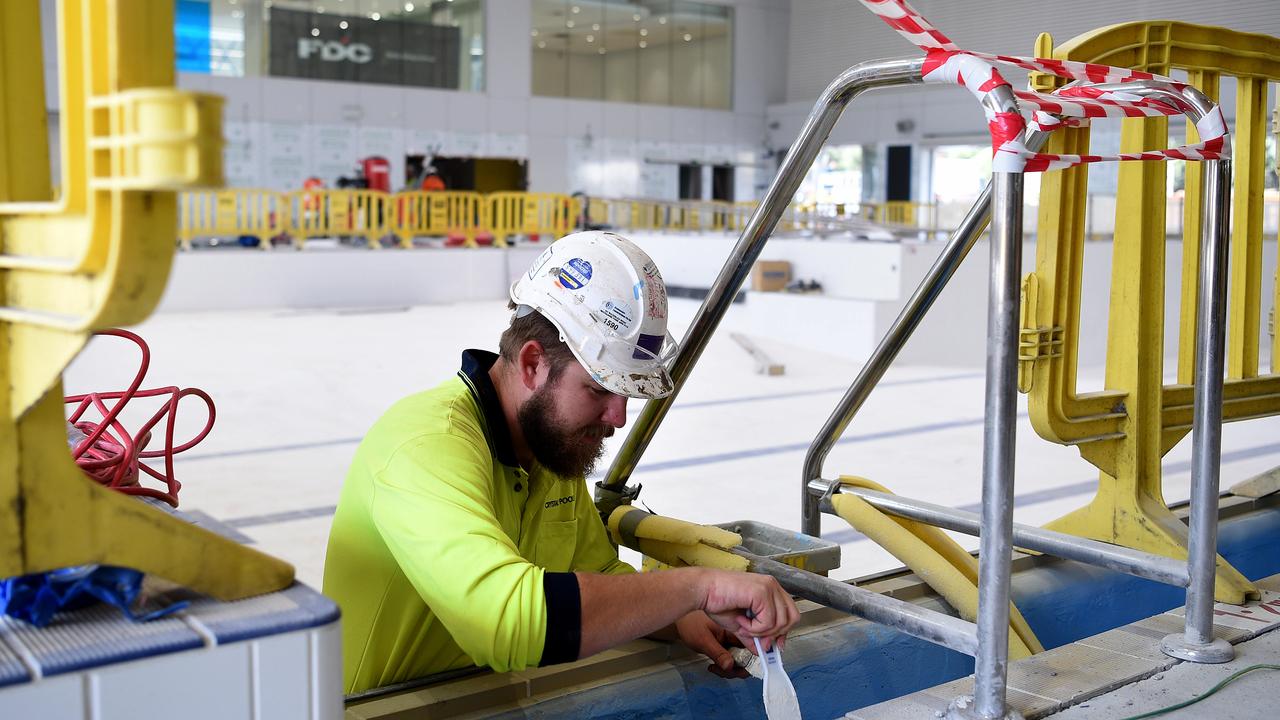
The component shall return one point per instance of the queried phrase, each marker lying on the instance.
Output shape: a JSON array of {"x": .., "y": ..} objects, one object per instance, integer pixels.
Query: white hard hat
[{"x": 607, "y": 298}]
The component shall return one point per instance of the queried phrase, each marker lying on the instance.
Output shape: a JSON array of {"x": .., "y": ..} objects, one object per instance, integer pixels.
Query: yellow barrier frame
[
  {"x": 331, "y": 213},
  {"x": 1125, "y": 429},
  {"x": 439, "y": 213},
  {"x": 231, "y": 213},
  {"x": 95, "y": 257}
]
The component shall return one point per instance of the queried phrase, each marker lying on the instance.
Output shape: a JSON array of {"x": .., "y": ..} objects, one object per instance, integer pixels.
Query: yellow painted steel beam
[{"x": 96, "y": 256}]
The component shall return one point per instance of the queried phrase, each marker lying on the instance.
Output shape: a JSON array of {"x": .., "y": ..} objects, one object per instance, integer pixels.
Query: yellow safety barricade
[
  {"x": 96, "y": 256},
  {"x": 1125, "y": 429},
  {"x": 548, "y": 215},
  {"x": 231, "y": 213},
  {"x": 598, "y": 211},
  {"x": 439, "y": 214},
  {"x": 339, "y": 213},
  {"x": 895, "y": 212}
]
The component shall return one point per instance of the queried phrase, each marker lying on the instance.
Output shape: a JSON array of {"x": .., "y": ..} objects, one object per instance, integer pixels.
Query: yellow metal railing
[
  {"x": 439, "y": 214},
  {"x": 1125, "y": 429},
  {"x": 549, "y": 215},
  {"x": 232, "y": 213},
  {"x": 330, "y": 213},
  {"x": 471, "y": 219}
]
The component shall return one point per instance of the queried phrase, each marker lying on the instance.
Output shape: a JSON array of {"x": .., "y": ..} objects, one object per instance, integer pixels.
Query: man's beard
[{"x": 565, "y": 451}]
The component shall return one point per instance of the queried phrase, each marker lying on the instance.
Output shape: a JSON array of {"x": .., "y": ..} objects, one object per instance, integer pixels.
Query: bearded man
[{"x": 465, "y": 534}]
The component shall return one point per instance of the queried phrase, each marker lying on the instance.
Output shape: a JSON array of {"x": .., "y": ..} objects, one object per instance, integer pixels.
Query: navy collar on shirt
[{"x": 475, "y": 372}]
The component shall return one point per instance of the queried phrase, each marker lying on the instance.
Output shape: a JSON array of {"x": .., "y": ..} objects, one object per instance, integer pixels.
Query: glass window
[
  {"x": 427, "y": 43},
  {"x": 662, "y": 52}
]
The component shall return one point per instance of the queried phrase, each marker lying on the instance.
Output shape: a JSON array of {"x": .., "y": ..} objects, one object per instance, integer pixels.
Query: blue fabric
[{"x": 36, "y": 598}]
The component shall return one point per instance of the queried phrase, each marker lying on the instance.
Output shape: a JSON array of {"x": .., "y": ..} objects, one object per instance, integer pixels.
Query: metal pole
[
  {"x": 996, "y": 547},
  {"x": 1113, "y": 557},
  {"x": 1197, "y": 643},
  {"x": 949, "y": 260},
  {"x": 917, "y": 306},
  {"x": 829, "y": 107},
  {"x": 923, "y": 623}
]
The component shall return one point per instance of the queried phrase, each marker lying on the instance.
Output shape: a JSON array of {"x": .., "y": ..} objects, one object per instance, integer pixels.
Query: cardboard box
[{"x": 770, "y": 275}]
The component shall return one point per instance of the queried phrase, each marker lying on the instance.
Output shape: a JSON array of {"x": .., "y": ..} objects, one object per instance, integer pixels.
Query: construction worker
[{"x": 465, "y": 533}]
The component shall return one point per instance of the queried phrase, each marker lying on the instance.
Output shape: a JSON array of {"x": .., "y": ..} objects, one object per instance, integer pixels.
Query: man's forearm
[{"x": 618, "y": 608}]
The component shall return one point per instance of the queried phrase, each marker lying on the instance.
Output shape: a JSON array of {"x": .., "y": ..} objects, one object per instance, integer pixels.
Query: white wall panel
[{"x": 283, "y": 130}]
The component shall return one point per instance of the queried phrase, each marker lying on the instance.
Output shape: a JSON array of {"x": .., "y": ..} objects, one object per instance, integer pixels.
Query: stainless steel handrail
[
  {"x": 1113, "y": 557},
  {"x": 826, "y": 111},
  {"x": 1004, "y": 200},
  {"x": 917, "y": 306}
]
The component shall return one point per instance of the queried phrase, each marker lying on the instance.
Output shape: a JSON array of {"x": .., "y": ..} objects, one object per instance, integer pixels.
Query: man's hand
[
  {"x": 618, "y": 608},
  {"x": 701, "y": 634},
  {"x": 729, "y": 596}
]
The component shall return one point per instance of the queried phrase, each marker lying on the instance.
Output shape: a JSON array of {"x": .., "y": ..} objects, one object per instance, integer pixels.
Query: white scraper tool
[{"x": 780, "y": 701}]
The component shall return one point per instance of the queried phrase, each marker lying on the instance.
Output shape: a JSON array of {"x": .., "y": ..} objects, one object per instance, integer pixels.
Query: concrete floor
[
  {"x": 1252, "y": 696},
  {"x": 296, "y": 390}
]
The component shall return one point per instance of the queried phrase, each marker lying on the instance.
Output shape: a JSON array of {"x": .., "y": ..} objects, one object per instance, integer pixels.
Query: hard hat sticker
[
  {"x": 575, "y": 273},
  {"x": 617, "y": 314},
  {"x": 537, "y": 264}
]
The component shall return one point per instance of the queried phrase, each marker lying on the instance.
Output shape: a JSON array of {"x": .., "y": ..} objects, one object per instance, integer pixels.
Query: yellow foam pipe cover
[
  {"x": 696, "y": 554},
  {"x": 671, "y": 530},
  {"x": 933, "y": 556}
]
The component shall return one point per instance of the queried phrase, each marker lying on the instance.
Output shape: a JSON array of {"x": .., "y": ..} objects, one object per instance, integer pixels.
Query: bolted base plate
[
  {"x": 1216, "y": 651},
  {"x": 964, "y": 708}
]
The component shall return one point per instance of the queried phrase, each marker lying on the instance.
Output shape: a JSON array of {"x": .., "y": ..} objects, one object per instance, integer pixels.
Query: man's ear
[{"x": 531, "y": 362}]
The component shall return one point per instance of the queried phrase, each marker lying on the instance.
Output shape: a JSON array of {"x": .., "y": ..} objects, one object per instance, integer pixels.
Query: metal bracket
[
  {"x": 608, "y": 499},
  {"x": 824, "y": 503}
]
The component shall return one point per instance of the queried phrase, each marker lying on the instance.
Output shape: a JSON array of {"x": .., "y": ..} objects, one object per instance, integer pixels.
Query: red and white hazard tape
[{"x": 1072, "y": 106}]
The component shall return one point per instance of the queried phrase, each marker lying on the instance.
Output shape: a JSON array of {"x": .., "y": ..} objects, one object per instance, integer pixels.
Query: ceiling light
[
  {"x": 591, "y": 38},
  {"x": 643, "y": 44},
  {"x": 534, "y": 33},
  {"x": 687, "y": 37},
  {"x": 343, "y": 24},
  {"x": 542, "y": 43},
  {"x": 662, "y": 20},
  {"x": 320, "y": 10},
  {"x": 595, "y": 26},
  {"x": 575, "y": 10},
  {"x": 636, "y": 17},
  {"x": 408, "y": 7},
  {"x": 375, "y": 16},
  {"x": 644, "y": 32},
  {"x": 315, "y": 32},
  {"x": 601, "y": 51},
  {"x": 568, "y": 23}
]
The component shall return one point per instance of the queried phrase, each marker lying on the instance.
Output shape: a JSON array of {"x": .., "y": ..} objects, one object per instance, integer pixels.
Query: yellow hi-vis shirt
[{"x": 444, "y": 553}]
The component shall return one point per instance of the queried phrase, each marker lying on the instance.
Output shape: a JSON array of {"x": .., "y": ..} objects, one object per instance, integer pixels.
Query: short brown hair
[{"x": 535, "y": 326}]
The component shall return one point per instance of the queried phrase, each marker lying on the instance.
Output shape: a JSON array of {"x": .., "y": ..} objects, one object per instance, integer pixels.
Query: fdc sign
[{"x": 333, "y": 51}]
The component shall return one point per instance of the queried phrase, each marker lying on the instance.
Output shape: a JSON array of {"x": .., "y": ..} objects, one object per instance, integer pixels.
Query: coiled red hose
[{"x": 113, "y": 457}]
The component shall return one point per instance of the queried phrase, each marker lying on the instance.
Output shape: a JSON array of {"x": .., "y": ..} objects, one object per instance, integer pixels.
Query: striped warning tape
[{"x": 1098, "y": 93}]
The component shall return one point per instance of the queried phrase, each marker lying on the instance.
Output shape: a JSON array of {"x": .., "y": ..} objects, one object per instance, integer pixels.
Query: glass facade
[
  {"x": 661, "y": 52},
  {"x": 431, "y": 43}
]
